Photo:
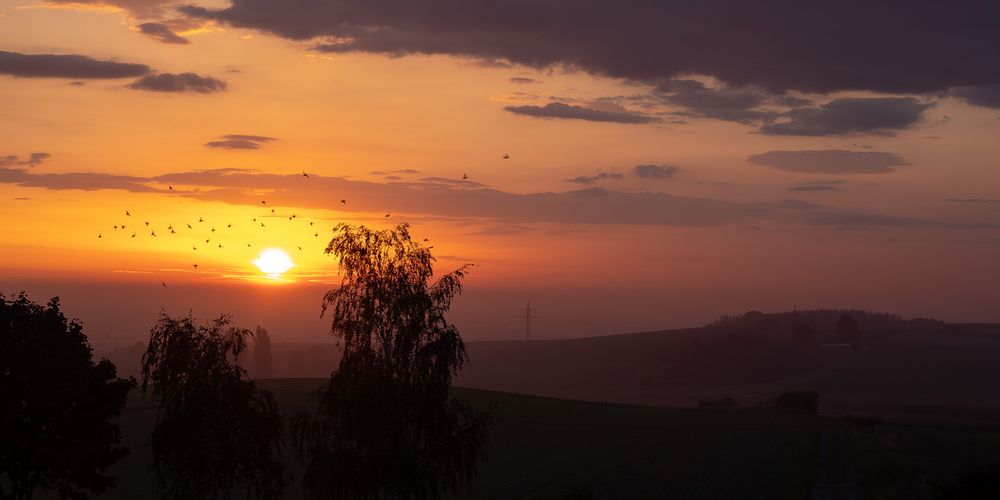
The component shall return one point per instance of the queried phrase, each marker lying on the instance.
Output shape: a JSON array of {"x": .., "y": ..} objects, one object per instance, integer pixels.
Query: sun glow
[{"x": 273, "y": 262}]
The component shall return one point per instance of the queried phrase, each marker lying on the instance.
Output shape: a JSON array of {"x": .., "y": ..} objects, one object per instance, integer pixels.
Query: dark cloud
[
  {"x": 897, "y": 46},
  {"x": 985, "y": 95},
  {"x": 830, "y": 161},
  {"x": 656, "y": 171},
  {"x": 179, "y": 82},
  {"x": 240, "y": 141},
  {"x": 33, "y": 160},
  {"x": 571, "y": 112},
  {"x": 973, "y": 200},
  {"x": 65, "y": 66},
  {"x": 850, "y": 116},
  {"x": 522, "y": 80},
  {"x": 162, "y": 33},
  {"x": 590, "y": 179},
  {"x": 742, "y": 105}
]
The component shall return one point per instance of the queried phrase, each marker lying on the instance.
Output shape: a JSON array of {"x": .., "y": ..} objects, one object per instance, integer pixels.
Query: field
[
  {"x": 545, "y": 448},
  {"x": 548, "y": 448}
]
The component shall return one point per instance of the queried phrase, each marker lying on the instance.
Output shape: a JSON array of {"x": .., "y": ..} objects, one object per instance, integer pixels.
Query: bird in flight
[
  {"x": 262, "y": 224},
  {"x": 133, "y": 235},
  {"x": 164, "y": 284},
  {"x": 193, "y": 247},
  {"x": 465, "y": 176},
  {"x": 248, "y": 245},
  {"x": 128, "y": 214},
  {"x": 220, "y": 245},
  {"x": 206, "y": 241},
  {"x": 195, "y": 266},
  {"x": 170, "y": 227},
  {"x": 316, "y": 235},
  {"x": 300, "y": 249},
  {"x": 505, "y": 156},
  {"x": 200, "y": 219},
  {"x": 272, "y": 210},
  {"x": 213, "y": 229},
  {"x": 263, "y": 202},
  {"x": 343, "y": 202},
  {"x": 116, "y": 227},
  {"x": 147, "y": 223},
  {"x": 229, "y": 226},
  {"x": 310, "y": 223},
  {"x": 171, "y": 187},
  {"x": 99, "y": 235},
  {"x": 189, "y": 226},
  {"x": 305, "y": 175},
  {"x": 388, "y": 214},
  {"x": 152, "y": 233}
]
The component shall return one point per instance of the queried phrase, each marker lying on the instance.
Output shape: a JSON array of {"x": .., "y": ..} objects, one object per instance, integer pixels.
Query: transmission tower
[{"x": 528, "y": 316}]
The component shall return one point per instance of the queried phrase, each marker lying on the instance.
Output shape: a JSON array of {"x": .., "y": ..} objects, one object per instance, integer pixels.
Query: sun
[{"x": 273, "y": 262}]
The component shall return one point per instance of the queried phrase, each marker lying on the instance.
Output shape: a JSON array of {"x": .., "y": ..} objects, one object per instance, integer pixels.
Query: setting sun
[{"x": 273, "y": 262}]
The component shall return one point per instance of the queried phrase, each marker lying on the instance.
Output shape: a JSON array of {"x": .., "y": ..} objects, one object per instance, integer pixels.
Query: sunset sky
[{"x": 667, "y": 164}]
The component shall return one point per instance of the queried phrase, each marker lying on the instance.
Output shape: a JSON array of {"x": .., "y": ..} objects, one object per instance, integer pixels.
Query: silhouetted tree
[
  {"x": 387, "y": 426},
  {"x": 217, "y": 433},
  {"x": 56, "y": 405},
  {"x": 262, "y": 354}
]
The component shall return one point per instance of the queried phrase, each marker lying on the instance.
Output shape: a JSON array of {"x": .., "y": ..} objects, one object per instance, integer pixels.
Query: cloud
[
  {"x": 162, "y": 33},
  {"x": 33, "y": 160},
  {"x": 829, "y": 161},
  {"x": 817, "y": 185},
  {"x": 81, "y": 181},
  {"x": 441, "y": 197},
  {"x": 179, "y": 82},
  {"x": 850, "y": 116},
  {"x": 723, "y": 102},
  {"x": 65, "y": 66},
  {"x": 571, "y": 112},
  {"x": 984, "y": 95},
  {"x": 854, "y": 220},
  {"x": 973, "y": 200},
  {"x": 895, "y": 47},
  {"x": 137, "y": 8},
  {"x": 656, "y": 171},
  {"x": 240, "y": 141},
  {"x": 521, "y": 80},
  {"x": 590, "y": 179}
]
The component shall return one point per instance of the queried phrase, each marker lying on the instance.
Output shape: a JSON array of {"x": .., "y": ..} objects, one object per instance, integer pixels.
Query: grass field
[
  {"x": 544, "y": 448},
  {"x": 548, "y": 448}
]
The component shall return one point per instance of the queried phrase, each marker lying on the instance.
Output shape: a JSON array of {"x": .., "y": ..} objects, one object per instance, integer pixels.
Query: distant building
[{"x": 262, "y": 354}]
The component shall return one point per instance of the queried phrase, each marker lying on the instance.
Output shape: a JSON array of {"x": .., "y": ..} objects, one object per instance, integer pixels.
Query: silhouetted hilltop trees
[
  {"x": 820, "y": 320},
  {"x": 57, "y": 407}
]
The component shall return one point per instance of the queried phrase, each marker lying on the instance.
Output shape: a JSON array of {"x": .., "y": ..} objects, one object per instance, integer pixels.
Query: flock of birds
[{"x": 213, "y": 232}]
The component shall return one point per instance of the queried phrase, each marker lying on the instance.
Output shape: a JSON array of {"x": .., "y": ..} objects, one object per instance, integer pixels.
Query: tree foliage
[
  {"x": 56, "y": 405},
  {"x": 387, "y": 426},
  {"x": 217, "y": 432}
]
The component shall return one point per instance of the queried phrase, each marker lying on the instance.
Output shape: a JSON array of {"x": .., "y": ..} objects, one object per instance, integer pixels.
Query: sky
[{"x": 623, "y": 165}]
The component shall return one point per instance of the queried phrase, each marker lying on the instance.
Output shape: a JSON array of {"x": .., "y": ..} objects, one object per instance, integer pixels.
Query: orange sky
[{"x": 715, "y": 233}]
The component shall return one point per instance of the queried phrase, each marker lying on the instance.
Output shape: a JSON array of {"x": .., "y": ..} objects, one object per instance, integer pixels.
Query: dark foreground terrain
[{"x": 544, "y": 448}]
